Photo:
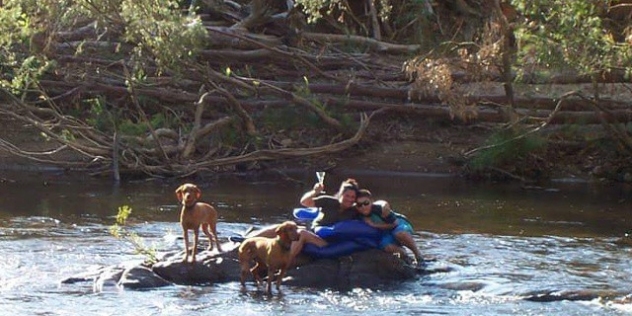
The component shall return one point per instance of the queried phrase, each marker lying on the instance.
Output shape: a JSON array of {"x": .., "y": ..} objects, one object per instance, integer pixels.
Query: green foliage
[
  {"x": 118, "y": 230},
  {"x": 16, "y": 31},
  {"x": 288, "y": 118},
  {"x": 569, "y": 33},
  {"x": 316, "y": 10},
  {"x": 160, "y": 28},
  {"x": 15, "y": 24},
  {"x": 98, "y": 115},
  {"x": 29, "y": 72},
  {"x": 507, "y": 147}
]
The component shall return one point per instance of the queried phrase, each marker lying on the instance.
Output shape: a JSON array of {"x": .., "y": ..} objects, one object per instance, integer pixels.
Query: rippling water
[{"x": 503, "y": 244}]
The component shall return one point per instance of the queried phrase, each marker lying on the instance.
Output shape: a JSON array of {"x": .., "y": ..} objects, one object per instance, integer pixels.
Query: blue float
[
  {"x": 344, "y": 238},
  {"x": 337, "y": 249},
  {"x": 305, "y": 213},
  {"x": 347, "y": 230}
]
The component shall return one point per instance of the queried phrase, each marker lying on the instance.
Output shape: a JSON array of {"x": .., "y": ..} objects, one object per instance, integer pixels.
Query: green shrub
[{"x": 507, "y": 147}]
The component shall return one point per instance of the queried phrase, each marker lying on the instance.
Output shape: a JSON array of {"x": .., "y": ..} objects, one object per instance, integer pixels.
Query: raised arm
[{"x": 307, "y": 199}]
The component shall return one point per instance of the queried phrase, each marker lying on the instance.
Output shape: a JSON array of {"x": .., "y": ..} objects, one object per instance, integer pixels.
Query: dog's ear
[
  {"x": 179, "y": 192},
  {"x": 285, "y": 227},
  {"x": 198, "y": 193},
  {"x": 280, "y": 229}
]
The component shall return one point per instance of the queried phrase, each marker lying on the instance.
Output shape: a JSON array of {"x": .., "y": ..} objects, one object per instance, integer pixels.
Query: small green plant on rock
[{"x": 118, "y": 230}]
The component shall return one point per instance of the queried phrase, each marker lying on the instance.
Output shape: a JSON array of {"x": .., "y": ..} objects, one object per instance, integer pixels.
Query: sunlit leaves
[
  {"x": 162, "y": 30},
  {"x": 118, "y": 230},
  {"x": 569, "y": 34},
  {"x": 317, "y": 9}
]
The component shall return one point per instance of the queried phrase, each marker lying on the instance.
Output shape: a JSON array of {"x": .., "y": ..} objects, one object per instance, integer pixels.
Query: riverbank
[
  {"x": 391, "y": 145},
  {"x": 410, "y": 151}
]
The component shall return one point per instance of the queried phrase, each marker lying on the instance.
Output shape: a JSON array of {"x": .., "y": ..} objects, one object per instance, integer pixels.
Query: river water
[{"x": 501, "y": 243}]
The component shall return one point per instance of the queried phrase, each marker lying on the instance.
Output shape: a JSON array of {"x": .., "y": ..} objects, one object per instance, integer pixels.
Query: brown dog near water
[
  {"x": 270, "y": 253},
  {"x": 195, "y": 214}
]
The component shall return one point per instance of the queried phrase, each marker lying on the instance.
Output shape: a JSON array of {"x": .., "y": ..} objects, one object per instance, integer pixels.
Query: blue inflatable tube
[
  {"x": 344, "y": 238},
  {"x": 337, "y": 249},
  {"x": 347, "y": 230},
  {"x": 305, "y": 213}
]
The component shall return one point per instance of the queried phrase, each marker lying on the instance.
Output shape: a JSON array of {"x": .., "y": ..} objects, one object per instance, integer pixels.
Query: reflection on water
[{"x": 502, "y": 243}]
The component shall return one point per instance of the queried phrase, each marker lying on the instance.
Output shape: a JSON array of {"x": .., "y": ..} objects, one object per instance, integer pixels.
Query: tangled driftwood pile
[
  {"x": 246, "y": 98},
  {"x": 264, "y": 87}
]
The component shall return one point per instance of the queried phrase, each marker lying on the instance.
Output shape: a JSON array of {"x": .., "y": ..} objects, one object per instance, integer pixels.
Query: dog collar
[{"x": 283, "y": 244}]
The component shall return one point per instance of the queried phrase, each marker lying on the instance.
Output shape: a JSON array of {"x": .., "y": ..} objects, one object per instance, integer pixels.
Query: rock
[
  {"x": 88, "y": 276},
  {"x": 571, "y": 295},
  {"x": 109, "y": 277},
  {"x": 208, "y": 268},
  {"x": 370, "y": 268},
  {"x": 141, "y": 277},
  {"x": 366, "y": 269}
]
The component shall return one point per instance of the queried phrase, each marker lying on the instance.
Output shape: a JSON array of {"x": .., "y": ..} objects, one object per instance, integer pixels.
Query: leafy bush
[{"x": 507, "y": 147}]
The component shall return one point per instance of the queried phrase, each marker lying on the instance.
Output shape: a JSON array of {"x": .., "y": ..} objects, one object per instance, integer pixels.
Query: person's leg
[
  {"x": 403, "y": 235},
  {"x": 389, "y": 244},
  {"x": 406, "y": 239},
  {"x": 396, "y": 250},
  {"x": 304, "y": 236},
  {"x": 268, "y": 231}
]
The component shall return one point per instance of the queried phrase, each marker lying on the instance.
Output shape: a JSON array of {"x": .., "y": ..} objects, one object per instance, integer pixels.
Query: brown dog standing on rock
[
  {"x": 195, "y": 214},
  {"x": 270, "y": 253}
]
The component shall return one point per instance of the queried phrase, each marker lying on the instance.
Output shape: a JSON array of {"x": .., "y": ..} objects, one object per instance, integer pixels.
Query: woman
[
  {"x": 379, "y": 214},
  {"x": 332, "y": 209},
  {"x": 335, "y": 208}
]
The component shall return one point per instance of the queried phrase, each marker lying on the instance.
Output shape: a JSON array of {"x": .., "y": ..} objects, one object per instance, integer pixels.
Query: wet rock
[
  {"x": 141, "y": 277},
  {"x": 570, "y": 295},
  {"x": 371, "y": 268},
  {"x": 363, "y": 269},
  {"x": 88, "y": 276},
  {"x": 366, "y": 269},
  {"x": 209, "y": 267}
]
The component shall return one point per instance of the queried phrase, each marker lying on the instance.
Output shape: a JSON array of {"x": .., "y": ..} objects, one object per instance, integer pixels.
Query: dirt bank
[
  {"x": 405, "y": 148},
  {"x": 390, "y": 145}
]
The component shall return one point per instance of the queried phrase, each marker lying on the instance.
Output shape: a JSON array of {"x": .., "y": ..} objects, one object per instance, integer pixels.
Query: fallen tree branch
[
  {"x": 521, "y": 136},
  {"x": 270, "y": 154},
  {"x": 373, "y": 44}
]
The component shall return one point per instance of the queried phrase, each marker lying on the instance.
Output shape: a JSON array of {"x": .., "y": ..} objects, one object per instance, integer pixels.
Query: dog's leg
[
  {"x": 186, "y": 245},
  {"x": 214, "y": 231},
  {"x": 243, "y": 275},
  {"x": 244, "y": 264},
  {"x": 280, "y": 278},
  {"x": 206, "y": 232},
  {"x": 196, "y": 235},
  {"x": 256, "y": 272},
  {"x": 270, "y": 276},
  {"x": 205, "y": 229}
]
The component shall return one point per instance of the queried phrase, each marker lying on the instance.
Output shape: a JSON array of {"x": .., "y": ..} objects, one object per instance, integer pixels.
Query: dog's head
[
  {"x": 287, "y": 231},
  {"x": 188, "y": 194}
]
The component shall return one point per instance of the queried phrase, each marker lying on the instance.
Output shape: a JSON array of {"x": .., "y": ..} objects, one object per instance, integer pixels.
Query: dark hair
[
  {"x": 363, "y": 193},
  {"x": 349, "y": 184}
]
